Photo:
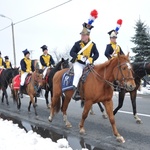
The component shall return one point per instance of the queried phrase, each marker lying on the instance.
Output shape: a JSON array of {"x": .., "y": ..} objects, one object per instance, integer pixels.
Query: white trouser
[
  {"x": 78, "y": 70},
  {"x": 23, "y": 77},
  {"x": 45, "y": 71}
]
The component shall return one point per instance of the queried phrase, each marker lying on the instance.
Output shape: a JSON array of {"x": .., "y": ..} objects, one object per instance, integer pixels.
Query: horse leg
[
  {"x": 55, "y": 106},
  {"x": 65, "y": 102},
  {"x": 133, "y": 95},
  {"x": 87, "y": 107},
  {"x": 34, "y": 105},
  {"x": 6, "y": 95},
  {"x": 29, "y": 106},
  {"x": 17, "y": 97},
  {"x": 46, "y": 97},
  {"x": 109, "y": 109},
  {"x": 2, "y": 97},
  {"x": 102, "y": 110},
  {"x": 120, "y": 100}
]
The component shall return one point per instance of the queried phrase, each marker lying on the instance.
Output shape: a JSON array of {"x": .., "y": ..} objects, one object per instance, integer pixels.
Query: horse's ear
[
  {"x": 62, "y": 59},
  {"x": 128, "y": 54}
]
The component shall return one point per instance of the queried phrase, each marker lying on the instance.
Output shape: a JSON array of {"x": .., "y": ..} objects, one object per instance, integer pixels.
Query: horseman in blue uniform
[
  {"x": 26, "y": 68},
  {"x": 83, "y": 52},
  {"x": 7, "y": 62},
  {"x": 112, "y": 49},
  {"x": 46, "y": 60}
]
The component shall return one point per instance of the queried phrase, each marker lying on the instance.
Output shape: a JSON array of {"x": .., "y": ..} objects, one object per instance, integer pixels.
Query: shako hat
[
  {"x": 88, "y": 26},
  {"x": 114, "y": 32},
  {"x": 6, "y": 57},
  {"x": 44, "y": 47},
  {"x": 26, "y": 52}
]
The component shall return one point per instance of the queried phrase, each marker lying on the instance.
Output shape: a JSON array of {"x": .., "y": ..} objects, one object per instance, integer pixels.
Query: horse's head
[
  {"x": 123, "y": 72},
  {"x": 64, "y": 63},
  {"x": 15, "y": 71},
  {"x": 37, "y": 77}
]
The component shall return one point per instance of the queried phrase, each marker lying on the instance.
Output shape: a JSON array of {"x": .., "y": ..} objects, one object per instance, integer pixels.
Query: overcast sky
[{"x": 60, "y": 27}]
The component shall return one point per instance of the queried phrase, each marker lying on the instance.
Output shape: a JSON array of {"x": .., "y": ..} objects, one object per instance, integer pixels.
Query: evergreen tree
[{"x": 141, "y": 40}]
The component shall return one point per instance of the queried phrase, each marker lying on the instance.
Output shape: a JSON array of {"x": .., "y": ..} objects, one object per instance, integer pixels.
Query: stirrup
[{"x": 76, "y": 96}]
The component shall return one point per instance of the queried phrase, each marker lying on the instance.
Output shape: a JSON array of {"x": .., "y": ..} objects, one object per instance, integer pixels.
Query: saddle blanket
[
  {"x": 67, "y": 82},
  {"x": 67, "y": 78},
  {"x": 16, "y": 82}
]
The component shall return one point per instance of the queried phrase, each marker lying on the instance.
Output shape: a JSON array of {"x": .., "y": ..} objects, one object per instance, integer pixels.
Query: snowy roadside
[{"x": 14, "y": 138}]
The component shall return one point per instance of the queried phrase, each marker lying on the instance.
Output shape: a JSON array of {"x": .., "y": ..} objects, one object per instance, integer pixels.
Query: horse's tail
[{"x": 82, "y": 103}]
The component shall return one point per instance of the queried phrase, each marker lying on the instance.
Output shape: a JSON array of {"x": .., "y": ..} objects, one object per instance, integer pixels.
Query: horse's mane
[{"x": 106, "y": 63}]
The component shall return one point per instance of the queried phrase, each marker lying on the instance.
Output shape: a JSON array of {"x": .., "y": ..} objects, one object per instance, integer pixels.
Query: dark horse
[
  {"x": 6, "y": 77},
  {"x": 139, "y": 71},
  {"x": 47, "y": 85},
  {"x": 97, "y": 88}
]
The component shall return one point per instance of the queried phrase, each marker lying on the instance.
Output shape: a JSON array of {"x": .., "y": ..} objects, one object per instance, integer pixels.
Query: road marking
[
  {"x": 121, "y": 111},
  {"x": 127, "y": 112}
]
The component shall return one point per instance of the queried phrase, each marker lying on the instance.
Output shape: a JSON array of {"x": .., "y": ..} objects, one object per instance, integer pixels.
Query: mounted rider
[
  {"x": 2, "y": 63},
  {"x": 83, "y": 52},
  {"x": 7, "y": 62},
  {"x": 113, "y": 48},
  {"x": 46, "y": 60},
  {"x": 27, "y": 67}
]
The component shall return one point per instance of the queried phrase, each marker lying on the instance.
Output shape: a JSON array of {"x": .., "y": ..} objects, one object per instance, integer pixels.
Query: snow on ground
[{"x": 14, "y": 138}]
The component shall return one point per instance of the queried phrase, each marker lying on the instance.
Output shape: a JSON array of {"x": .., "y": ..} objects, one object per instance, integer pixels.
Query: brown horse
[
  {"x": 97, "y": 88},
  {"x": 34, "y": 80}
]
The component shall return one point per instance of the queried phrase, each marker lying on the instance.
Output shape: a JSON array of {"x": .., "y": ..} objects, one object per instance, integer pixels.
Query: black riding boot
[
  {"x": 21, "y": 91},
  {"x": 76, "y": 94}
]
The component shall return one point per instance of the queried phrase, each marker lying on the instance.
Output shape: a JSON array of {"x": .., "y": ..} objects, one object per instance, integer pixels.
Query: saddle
[
  {"x": 17, "y": 80},
  {"x": 27, "y": 80},
  {"x": 67, "y": 79}
]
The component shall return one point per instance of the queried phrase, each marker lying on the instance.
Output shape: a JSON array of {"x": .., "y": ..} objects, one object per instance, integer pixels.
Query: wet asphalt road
[{"x": 99, "y": 134}]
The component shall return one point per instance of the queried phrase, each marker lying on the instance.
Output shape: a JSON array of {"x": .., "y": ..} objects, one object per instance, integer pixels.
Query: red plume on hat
[
  {"x": 93, "y": 16},
  {"x": 119, "y": 23}
]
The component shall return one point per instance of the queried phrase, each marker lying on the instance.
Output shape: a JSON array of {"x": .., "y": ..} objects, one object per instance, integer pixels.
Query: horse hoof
[
  {"x": 104, "y": 116},
  {"x": 82, "y": 131},
  {"x": 92, "y": 113},
  {"x": 139, "y": 121},
  {"x": 48, "y": 106},
  {"x": 50, "y": 119},
  {"x": 120, "y": 139},
  {"x": 68, "y": 125}
]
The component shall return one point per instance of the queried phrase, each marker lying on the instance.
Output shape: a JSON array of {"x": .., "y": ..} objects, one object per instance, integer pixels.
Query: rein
[{"x": 106, "y": 81}]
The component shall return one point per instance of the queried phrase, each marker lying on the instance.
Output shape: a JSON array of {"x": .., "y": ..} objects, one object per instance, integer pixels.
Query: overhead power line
[{"x": 37, "y": 14}]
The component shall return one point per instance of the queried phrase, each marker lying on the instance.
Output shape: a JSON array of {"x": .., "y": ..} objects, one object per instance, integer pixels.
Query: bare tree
[{"x": 63, "y": 54}]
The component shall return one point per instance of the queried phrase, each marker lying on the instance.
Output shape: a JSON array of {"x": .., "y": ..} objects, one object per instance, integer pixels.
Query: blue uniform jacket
[
  {"x": 109, "y": 50},
  {"x": 23, "y": 65},
  {"x": 52, "y": 62},
  {"x": 76, "y": 48}
]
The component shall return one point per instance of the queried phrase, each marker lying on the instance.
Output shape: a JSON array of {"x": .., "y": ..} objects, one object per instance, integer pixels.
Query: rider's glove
[{"x": 89, "y": 60}]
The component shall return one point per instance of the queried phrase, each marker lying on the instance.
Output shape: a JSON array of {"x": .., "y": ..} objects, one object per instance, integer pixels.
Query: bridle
[{"x": 124, "y": 79}]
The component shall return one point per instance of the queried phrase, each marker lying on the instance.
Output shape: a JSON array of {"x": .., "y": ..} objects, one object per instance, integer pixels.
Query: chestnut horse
[
  {"x": 97, "y": 88},
  {"x": 29, "y": 89},
  {"x": 140, "y": 70}
]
